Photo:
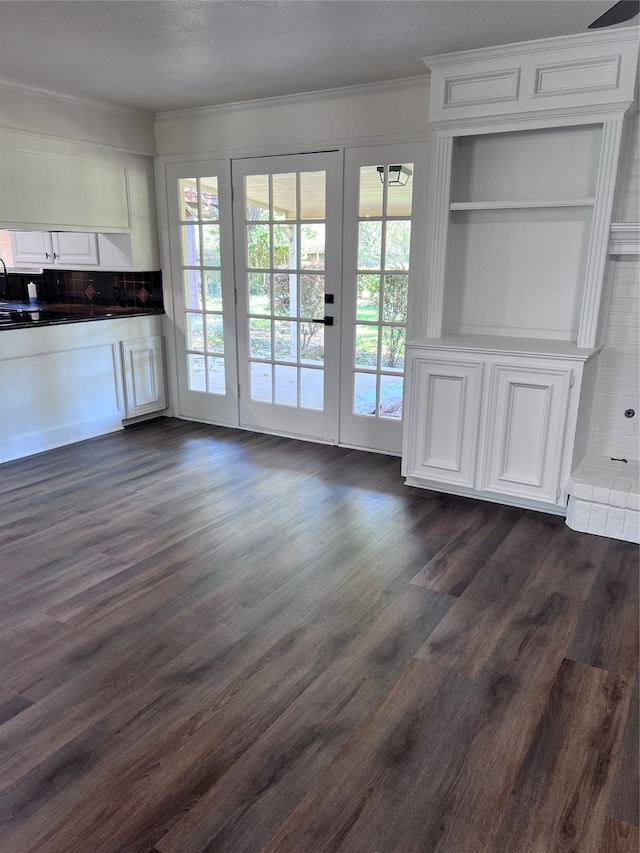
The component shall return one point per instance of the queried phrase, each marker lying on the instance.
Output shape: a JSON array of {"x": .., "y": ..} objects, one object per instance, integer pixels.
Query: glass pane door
[
  {"x": 203, "y": 291},
  {"x": 287, "y": 212},
  {"x": 384, "y": 219}
]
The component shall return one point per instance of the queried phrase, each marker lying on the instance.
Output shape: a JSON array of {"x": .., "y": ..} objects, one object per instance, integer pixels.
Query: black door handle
[{"x": 327, "y": 321}]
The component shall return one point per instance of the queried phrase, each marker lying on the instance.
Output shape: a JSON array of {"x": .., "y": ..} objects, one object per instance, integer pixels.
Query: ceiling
[{"x": 162, "y": 55}]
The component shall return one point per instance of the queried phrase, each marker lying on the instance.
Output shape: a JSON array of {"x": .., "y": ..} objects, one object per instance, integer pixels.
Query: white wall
[
  {"x": 297, "y": 123},
  {"x": 619, "y": 381}
]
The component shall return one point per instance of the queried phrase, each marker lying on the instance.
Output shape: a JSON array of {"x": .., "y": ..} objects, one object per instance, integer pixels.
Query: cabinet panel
[
  {"x": 527, "y": 413},
  {"x": 143, "y": 376},
  {"x": 31, "y": 247},
  {"x": 447, "y": 395},
  {"x": 75, "y": 247},
  {"x": 63, "y": 191}
]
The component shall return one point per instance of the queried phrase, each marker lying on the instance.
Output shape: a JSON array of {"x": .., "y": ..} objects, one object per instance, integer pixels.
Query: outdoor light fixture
[{"x": 398, "y": 175}]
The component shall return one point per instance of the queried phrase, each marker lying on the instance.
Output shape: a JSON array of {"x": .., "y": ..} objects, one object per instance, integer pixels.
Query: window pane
[
  {"x": 284, "y": 196},
  {"x": 284, "y": 247},
  {"x": 257, "y": 197},
  {"x": 213, "y": 290},
  {"x": 393, "y": 340},
  {"x": 397, "y": 245},
  {"x": 259, "y": 247},
  {"x": 399, "y": 198},
  {"x": 312, "y": 195},
  {"x": 394, "y": 301},
  {"x": 284, "y": 292},
  {"x": 368, "y": 298},
  {"x": 391, "y": 396},
  {"x": 211, "y": 245},
  {"x": 188, "y": 197},
  {"x": 311, "y": 389},
  {"x": 215, "y": 375},
  {"x": 195, "y": 373},
  {"x": 312, "y": 247},
  {"x": 369, "y": 245},
  {"x": 261, "y": 383},
  {"x": 190, "y": 235},
  {"x": 370, "y": 192},
  {"x": 260, "y": 338},
  {"x": 364, "y": 394},
  {"x": 259, "y": 293},
  {"x": 286, "y": 385},
  {"x": 312, "y": 296},
  {"x": 209, "y": 198},
  {"x": 192, "y": 290},
  {"x": 286, "y": 341},
  {"x": 366, "y": 346},
  {"x": 312, "y": 343},
  {"x": 194, "y": 332},
  {"x": 215, "y": 336}
]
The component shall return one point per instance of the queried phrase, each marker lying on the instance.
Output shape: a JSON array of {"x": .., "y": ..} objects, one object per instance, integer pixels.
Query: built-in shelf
[{"x": 522, "y": 204}]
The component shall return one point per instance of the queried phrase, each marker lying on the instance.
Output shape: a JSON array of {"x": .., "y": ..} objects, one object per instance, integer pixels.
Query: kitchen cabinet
[
  {"x": 87, "y": 379},
  {"x": 144, "y": 385},
  {"x": 486, "y": 419},
  {"x": 75, "y": 250},
  {"x": 57, "y": 248}
]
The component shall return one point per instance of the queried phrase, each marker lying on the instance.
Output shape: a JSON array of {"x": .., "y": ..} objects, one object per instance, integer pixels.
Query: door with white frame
[
  {"x": 201, "y": 244},
  {"x": 287, "y": 218},
  {"x": 259, "y": 335},
  {"x": 383, "y": 281}
]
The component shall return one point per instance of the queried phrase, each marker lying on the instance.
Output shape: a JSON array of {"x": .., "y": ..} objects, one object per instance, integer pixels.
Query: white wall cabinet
[
  {"x": 57, "y": 248},
  {"x": 144, "y": 383},
  {"x": 72, "y": 250},
  {"x": 485, "y": 420}
]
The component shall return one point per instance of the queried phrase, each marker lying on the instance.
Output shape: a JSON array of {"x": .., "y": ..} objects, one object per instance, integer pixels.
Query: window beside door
[{"x": 382, "y": 289}]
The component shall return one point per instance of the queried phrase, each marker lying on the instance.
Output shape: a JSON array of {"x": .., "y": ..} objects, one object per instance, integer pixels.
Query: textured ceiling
[{"x": 158, "y": 55}]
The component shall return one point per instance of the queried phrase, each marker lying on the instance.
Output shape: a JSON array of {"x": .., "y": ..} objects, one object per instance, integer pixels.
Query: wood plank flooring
[{"x": 214, "y": 640}]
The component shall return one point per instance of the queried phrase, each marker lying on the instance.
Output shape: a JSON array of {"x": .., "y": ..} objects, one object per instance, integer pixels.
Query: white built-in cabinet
[
  {"x": 87, "y": 378},
  {"x": 144, "y": 385},
  {"x": 54, "y": 248},
  {"x": 488, "y": 419},
  {"x": 498, "y": 396},
  {"x": 72, "y": 250}
]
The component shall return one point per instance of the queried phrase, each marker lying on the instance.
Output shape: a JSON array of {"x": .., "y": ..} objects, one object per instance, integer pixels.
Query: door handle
[{"x": 327, "y": 321}]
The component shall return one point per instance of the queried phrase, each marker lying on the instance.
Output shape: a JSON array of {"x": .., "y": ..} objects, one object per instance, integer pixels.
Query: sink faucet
[{"x": 4, "y": 290}]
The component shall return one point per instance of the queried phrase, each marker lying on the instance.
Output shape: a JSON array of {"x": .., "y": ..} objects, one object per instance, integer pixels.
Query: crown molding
[
  {"x": 624, "y": 238},
  {"x": 301, "y": 98},
  {"x": 104, "y": 106},
  {"x": 601, "y": 37}
]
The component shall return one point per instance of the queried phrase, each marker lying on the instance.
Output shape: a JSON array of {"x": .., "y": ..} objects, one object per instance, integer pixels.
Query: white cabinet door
[
  {"x": 526, "y": 417},
  {"x": 143, "y": 376},
  {"x": 442, "y": 433},
  {"x": 71, "y": 248},
  {"x": 30, "y": 248}
]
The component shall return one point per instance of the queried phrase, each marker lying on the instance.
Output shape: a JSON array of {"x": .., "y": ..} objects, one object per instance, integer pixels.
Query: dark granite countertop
[{"x": 17, "y": 315}]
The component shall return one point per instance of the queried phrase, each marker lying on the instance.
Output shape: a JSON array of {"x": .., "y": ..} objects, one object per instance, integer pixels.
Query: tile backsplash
[{"x": 142, "y": 290}]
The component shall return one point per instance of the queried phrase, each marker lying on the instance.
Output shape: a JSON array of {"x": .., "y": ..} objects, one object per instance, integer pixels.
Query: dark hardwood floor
[{"x": 213, "y": 640}]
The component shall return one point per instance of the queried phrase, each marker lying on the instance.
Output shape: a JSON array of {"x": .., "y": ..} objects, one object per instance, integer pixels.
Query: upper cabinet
[
  {"x": 529, "y": 138},
  {"x": 54, "y": 186},
  {"x": 569, "y": 73},
  {"x": 61, "y": 248}
]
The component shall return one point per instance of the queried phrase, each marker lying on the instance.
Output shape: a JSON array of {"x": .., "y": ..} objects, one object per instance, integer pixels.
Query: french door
[
  {"x": 287, "y": 218},
  {"x": 289, "y": 319}
]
